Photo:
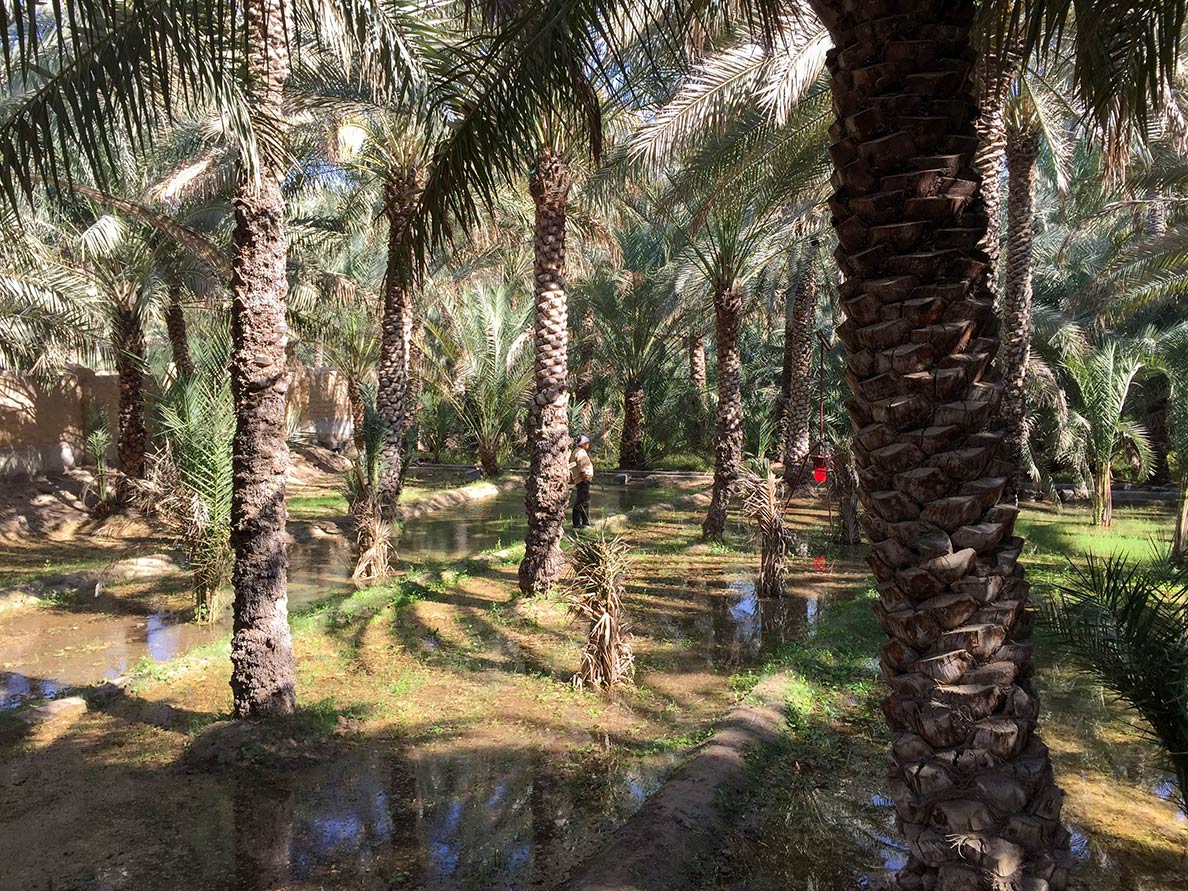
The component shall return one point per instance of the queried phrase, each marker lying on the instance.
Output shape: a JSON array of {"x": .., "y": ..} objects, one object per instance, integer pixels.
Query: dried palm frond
[
  {"x": 204, "y": 534},
  {"x": 764, "y": 498},
  {"x": 596, "y": 593}
]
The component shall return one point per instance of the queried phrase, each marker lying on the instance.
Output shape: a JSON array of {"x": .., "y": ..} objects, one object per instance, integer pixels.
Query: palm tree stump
[
  {"x": 547, "y": 492},
  {"x": 972, "y": 781}
]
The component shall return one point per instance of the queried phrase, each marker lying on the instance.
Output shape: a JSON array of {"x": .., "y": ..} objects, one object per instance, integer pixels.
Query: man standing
[{"x": 581, "y": 472}]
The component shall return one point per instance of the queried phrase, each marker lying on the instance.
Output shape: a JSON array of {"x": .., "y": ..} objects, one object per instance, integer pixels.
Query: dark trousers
[{"x": 581, "y": 505}]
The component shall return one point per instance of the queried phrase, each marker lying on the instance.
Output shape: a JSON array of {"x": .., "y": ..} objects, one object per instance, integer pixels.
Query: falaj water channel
[{"x": 439, "y": 744}]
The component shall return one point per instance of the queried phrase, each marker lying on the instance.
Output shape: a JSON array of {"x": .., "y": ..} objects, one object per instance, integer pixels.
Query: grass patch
[{"x": 308, "y": 507}]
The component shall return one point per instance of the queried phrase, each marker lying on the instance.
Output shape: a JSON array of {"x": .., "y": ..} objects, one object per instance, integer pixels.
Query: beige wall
[{"x": 41, "y": 422}]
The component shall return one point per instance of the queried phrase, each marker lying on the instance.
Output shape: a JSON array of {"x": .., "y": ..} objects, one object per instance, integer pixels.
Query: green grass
[
  {"x": 1073, "y": 533},
  {"x": 685, "y": 462},
  {"x": 1053, "y": 539},
  {"x": 307, "y": 507}
]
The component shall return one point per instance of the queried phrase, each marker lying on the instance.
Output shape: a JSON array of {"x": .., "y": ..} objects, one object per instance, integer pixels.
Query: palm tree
[
  {"x": 263, "y": 677},
  {"x": 1103, "y": 377},
  {"x": 737, "y": 243},
  {"x": 1129, "y": 630},
  {"x": 920, "y": 342},
  {"x": 1036, "y": 111},
  {"x": 373, "y": 531},
  {"x": 1174, "y": 363},
  {"x": 637, "y": 312},
  {"x": 920, "y": 345},
  {"x": 479, "y": 349},
  {"x": 547, "y": 490},
  {"x": 352, "y": 348},
  {"x": 189, "y": 481},
  {"x": 796, "y": 386}
]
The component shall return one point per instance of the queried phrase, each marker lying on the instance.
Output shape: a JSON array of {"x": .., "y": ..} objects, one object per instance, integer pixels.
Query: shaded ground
[{"x": 440, "y": 744}]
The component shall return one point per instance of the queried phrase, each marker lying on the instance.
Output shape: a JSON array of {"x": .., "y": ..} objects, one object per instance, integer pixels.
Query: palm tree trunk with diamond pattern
[
  {"x": 396, "y": 331},
  {"x": 971, "y": 779},
  {"x": 1022, "y": 150},
  {"x": 797, "y": 385},
  {"x": 547, "y": 491}
]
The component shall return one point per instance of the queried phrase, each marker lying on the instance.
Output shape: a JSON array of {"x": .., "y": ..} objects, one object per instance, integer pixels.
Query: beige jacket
[{"x": 581, "y": 468}]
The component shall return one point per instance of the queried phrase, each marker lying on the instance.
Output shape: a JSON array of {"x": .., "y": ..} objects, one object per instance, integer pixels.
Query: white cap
[{"x": 583, "y": 440}]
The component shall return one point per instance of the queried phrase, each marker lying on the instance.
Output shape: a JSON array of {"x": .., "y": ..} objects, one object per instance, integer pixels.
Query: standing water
[{"x": 90, "y": 639}]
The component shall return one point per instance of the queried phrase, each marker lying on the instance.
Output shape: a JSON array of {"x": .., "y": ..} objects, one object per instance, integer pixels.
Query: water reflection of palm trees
[
  {"x": 491, "y": 819},
  {"x": 745, "y": 628}
]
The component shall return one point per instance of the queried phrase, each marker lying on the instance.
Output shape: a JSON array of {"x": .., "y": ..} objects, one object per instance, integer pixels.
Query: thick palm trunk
[
  {"x": 1022, "y": 151},
  {"x": 796, "y": 378},
  {"x": 972, "y": 782},
  {"x": 175, "y": 325},
  {"x": 263, "y": 681},
  {"x": 396, "y": 330},
  {"x": 547, "y": 491},
  {"x": 631, "y": 455},
  {"x": 127, "y": 342},
  {"x": 729, "y": 438}
]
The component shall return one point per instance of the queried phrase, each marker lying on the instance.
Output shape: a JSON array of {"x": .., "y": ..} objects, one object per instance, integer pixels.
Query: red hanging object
[{"x": 820, "y": 473}]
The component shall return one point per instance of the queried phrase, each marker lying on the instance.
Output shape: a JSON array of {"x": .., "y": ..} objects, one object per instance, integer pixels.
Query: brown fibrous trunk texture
[
  {"x": 416, "y": 385},
  {"x": 728, "y": 443},
  {"x": 697, "y": 373},
  {"x": 631, "y": 446},
  {"x": 994, "y": 72},
  {"x": 1156, "y": 213},
  {"x": 1022, "y": 151},
  {"x": 773, "y": 551},
  {"x": 547, "y": 487},
  {"x": 358, "y": 415},
  {"x": 972, "y": 781},
  {"x": 796, "y": 384},
  {"x": 127, "y": 343},
  {"x": 263, "y": 679},
  {"x": 396, "y": 332},
  {"x": 175, "y": 325},
  {"x": 1103, "y": 495}
]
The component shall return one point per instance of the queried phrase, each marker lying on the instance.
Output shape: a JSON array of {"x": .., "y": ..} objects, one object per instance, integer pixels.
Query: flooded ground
[
  {"x": 85, "y": 640},
  {"x": 440, "y": 745}
]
